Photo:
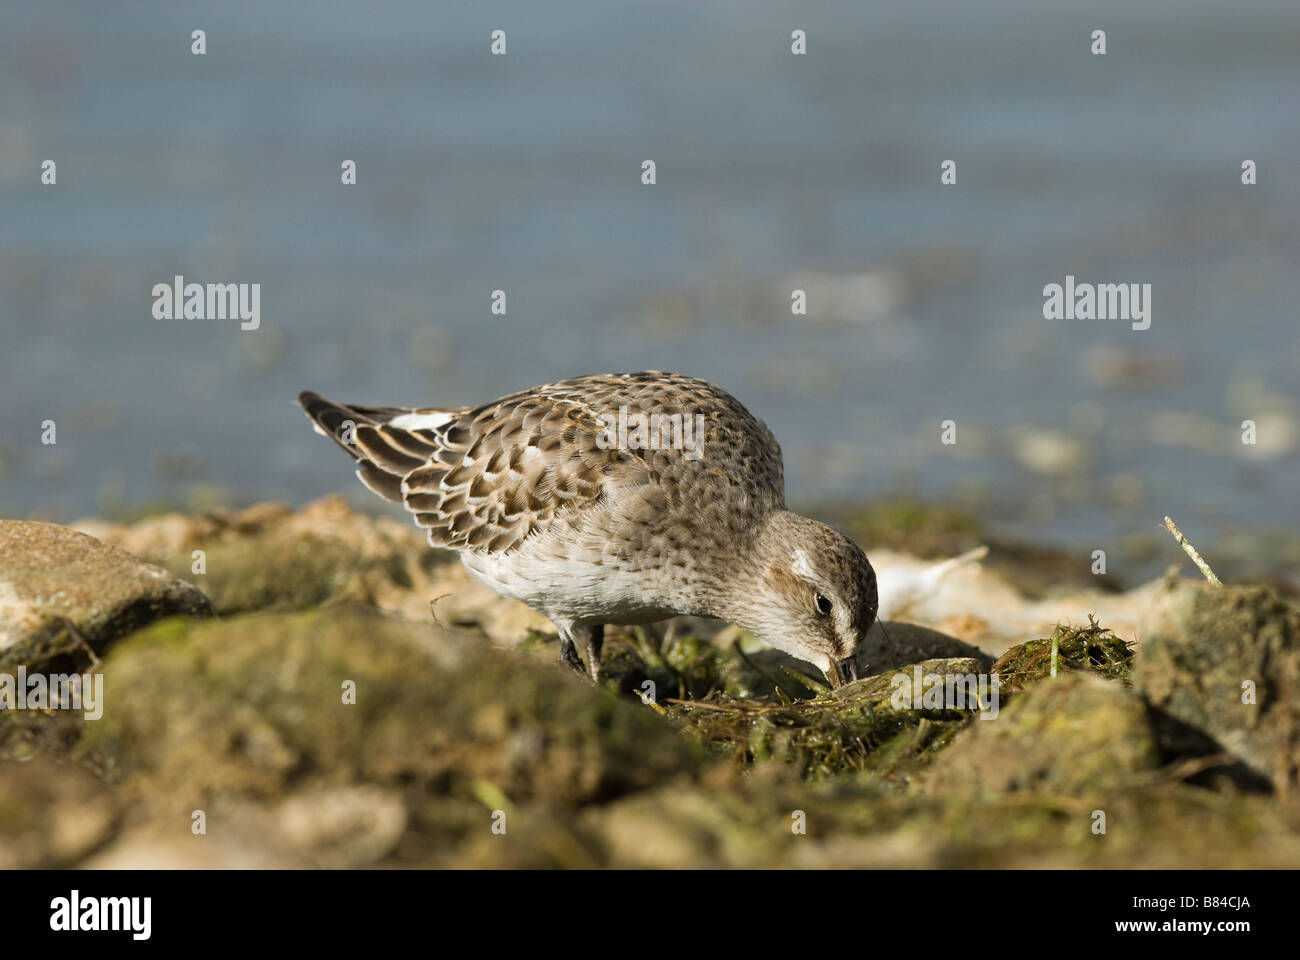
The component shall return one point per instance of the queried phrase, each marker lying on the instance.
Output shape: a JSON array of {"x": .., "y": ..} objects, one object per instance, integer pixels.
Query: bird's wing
[
  {"x": 487, "y": 477},
  {"x": 482, "y": 478}
]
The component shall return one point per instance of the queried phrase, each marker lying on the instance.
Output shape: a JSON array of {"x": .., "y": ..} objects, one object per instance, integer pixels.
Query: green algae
[
  {"x": 1092, "y": 649},
  {"x": 857, "y": 728}
]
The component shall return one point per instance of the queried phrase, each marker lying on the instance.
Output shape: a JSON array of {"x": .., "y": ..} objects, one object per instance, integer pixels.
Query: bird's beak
[{"x": 842, "y": 672}]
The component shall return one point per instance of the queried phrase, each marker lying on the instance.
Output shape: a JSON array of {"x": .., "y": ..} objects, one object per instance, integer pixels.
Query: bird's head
[{"x": 812, "y": 594}]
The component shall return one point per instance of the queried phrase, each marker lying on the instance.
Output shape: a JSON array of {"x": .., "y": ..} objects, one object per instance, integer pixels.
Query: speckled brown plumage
[{"x": 548, "y": 504}]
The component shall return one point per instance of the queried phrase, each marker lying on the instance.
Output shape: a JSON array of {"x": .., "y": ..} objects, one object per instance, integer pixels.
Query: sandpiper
[{"x": 619, "y": 499}]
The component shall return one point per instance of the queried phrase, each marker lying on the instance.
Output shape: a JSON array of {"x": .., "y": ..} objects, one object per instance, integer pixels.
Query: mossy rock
[
  {"x": 270, "y": 557},
  {"x": 253, "y": 706},
  {"x": 1226, "y": 661},
  {"x": 63, "y": 592},
  {"x": 1072, "y": 735},
  {"x": 853, "y": 822},
  {"x": 898, "y": 644},
  {"x": 25, "y": 734},
  {"x": 52, "y": 814},
  {"x": 693, "y": 828},
  {"x": 288, "y": 573}
]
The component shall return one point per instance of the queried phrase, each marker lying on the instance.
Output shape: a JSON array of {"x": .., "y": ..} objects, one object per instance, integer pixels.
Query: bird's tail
[{"x": 387, "y": 443}]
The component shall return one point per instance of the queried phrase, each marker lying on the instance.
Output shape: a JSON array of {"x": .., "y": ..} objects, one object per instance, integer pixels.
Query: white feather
[{"x": 419, "y": 421}]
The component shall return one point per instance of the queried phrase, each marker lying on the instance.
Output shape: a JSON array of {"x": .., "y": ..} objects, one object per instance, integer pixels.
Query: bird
[{"x": 619, "y": 499}]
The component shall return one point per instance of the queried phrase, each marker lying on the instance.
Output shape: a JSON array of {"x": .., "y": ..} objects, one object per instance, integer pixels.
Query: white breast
[{"x": 570, "y": 590}]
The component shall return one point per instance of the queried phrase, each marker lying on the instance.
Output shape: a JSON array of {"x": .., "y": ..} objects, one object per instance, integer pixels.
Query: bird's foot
[
  {"x": 595, "y": 641},
  {"x": 569, "y": 656}
]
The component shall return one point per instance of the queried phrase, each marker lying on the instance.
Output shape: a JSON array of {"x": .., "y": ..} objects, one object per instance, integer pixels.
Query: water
[{"x": 522, "y": 173}]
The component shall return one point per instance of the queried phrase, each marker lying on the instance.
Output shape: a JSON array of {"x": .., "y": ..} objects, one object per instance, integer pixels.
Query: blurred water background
[{"x": 522, "y": 173}]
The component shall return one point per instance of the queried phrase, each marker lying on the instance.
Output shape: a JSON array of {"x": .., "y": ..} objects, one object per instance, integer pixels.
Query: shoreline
[{"x": 333, "y": 693}]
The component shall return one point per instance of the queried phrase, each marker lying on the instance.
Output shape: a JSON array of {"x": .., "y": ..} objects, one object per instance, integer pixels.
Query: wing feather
[{"x": 489, "y": 477}]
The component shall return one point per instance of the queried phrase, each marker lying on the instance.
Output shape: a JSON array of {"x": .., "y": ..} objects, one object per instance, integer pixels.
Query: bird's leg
[
  {"x": 568, "y": 652},
  {"x": 595, "y": 640}
]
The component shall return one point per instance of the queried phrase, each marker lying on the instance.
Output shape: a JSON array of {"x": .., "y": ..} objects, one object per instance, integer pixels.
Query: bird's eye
[{"x": 823, "y": 605}]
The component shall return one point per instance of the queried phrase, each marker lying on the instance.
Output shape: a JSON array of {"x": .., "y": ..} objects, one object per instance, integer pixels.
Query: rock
[
  {"x": 244, "y": 718},
  {"x": 59, "y": 587},
  {"x": 851, "y": 825},
  {"x": 25, "y": 734},
  {"x": 907, "y": 643},
  {"x": 330, "y": 828},
  {"x": 171, "y": 846},
  {"x": 221, "y": 714},
  {"x": 1226, "y": 661},
  {"x": 341, "y": 826},
  {"x": 881, "y": 687},
  {"x": 271, "y": 557},
  {"x": 668, "y": 829},
  {"x": 1072, "y": 735},
  {"x": 51, "y": 814}
]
